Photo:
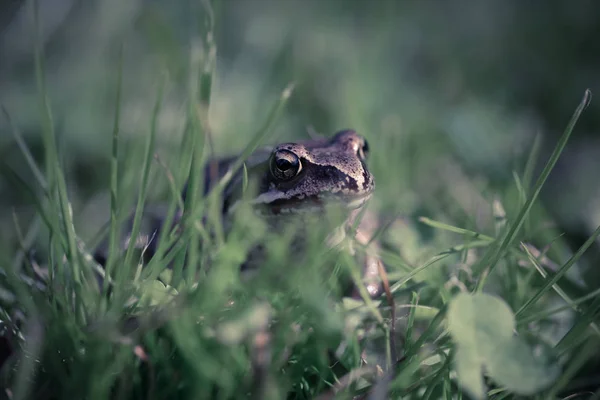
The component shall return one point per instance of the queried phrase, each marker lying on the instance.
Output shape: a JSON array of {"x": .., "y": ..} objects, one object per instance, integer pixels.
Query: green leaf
[
  {"x": 482, "y": 328},
  {"x": 515, "y": 368},
  {"x": 157, "y": 293}
]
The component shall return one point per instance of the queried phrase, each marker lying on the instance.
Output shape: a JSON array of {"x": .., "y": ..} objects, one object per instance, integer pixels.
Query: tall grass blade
[
  {"x": 47, "y": 124},
  {"x": 38, "y": 175},
  {"x": 114, "y": 176},
  {"x": 147, "y": 163},
  {"x": 520, "y": 219},
  {"x": 560, "y": 273},
  {"x": 440, "y": 225}
]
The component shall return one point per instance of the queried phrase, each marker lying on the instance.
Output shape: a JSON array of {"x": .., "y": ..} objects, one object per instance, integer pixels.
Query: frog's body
[{"x": 290, "y": 179}]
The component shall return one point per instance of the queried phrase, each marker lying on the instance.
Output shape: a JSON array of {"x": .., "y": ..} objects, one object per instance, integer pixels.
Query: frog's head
[{"x": 307, "y": 176}]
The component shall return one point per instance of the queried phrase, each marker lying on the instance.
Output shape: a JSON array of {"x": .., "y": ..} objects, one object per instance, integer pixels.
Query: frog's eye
[
  {"x": 285, "y": 165},
  {"x": 363, "y": 151}
]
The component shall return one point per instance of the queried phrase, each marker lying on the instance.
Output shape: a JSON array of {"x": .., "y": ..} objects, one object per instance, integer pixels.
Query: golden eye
[{"x": 285, "y": 165}]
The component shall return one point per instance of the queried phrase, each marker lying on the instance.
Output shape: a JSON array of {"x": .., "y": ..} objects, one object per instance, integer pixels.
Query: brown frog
[{"x": 290, "y": 179}]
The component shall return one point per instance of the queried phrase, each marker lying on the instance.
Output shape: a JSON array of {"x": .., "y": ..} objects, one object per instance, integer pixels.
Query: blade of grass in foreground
[
  {"x": 200, "y": 135},
  {"x": 37, "y": 173},
  {"x": 125, "y": 271},
  {"x": 47, "y": 132},
  {"x": 587, "y": 350},
  {"x": 580, "y": 330},
  {"x": 411, "y": 320},
  {"x": 53, "y": 170},
  {"x": 364, "y": 294},
  {"x": 572, "y": 304},
  {"x": 558, "y": 290},
  {"x": 428, "y": 334},
  {"x": 24, "y": 187},
  {"x": 560, "y": 273},
  {"x": 66, "y": 212},
  {"x": 34, "y": 338},
  {"x": 47, "y": 125},
  {"x": 168, "y": 230},
  {"x": 450, "y": 228},
  {"x": 390, "y": 258},
  {"x": 34, "y": 327},
  {"x": 171, "y": 236},
  {"x": 114, "y": 180},
  {"x": 529, "y": 169},
  {"x": 253, "y": 144},
  {"x": 489, "y": 262},
  {"x": 258, "y": 137},
  {"x": 25, "y": 150}
]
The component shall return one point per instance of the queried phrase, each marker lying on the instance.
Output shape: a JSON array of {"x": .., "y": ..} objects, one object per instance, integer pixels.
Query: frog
[{"x": 291, "y": 179}]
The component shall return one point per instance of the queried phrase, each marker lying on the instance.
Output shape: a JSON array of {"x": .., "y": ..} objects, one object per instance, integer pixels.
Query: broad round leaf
[{"x": 482, "y": 327}]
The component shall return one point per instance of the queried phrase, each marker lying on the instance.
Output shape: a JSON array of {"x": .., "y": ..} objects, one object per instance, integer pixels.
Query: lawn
[{"x": 482, "y": 296}]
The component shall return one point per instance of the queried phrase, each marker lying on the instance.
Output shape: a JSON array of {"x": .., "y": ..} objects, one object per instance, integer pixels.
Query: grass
[{"x": 203, "y": 330}]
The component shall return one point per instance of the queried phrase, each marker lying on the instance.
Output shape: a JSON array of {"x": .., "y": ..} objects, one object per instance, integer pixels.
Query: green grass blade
[
  {"x": 34, "y": 336},
  {"x": 406, "y": 277},
  {"x": 54, "y": 174},
  {"x": 587, "y": 350},
  {"x": 531, "y": 161},
  {"x": 362, "y": 290},
  {"x": 529, "y": 170},
  {"x": 38, "y": 175},
  {"x": 450, "y": 228},
  {"x": 579, "y": 331},
  {"x": 114, "y": 175},
  {"x": 67, "y": 216},
  {"x": 520, "y": 219},
  {"x": 428, "y": 334},
  {"x": 557, "y": 289},
  {"x": 547, "y": 313},
  {"x": 561, "y": 272},
  {"x": 544, "y": 274},
  {"x": 47, "y": 125},
  {"x": 169, "y": 234},
  {"x": 520, "y": 189},
  {"x": 258, "y": 137},
  {"x": 147, "y": 163},
  {"x": 20, "y": 184},
  {"x": 411, "y": 321},
  {"x": 200, "y": 135},
  {"x": 195, "y": 182}
]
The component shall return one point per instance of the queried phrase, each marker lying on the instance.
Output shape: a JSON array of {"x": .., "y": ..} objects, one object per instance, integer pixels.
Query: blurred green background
[{"x": 450, "y": 94}]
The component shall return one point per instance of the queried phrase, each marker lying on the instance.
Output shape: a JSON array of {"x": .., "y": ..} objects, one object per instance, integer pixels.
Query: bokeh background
[{"x": 460, "y": 88}]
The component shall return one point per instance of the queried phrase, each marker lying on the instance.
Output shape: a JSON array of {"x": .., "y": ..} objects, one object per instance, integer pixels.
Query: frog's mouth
[{"x": 311, "y": 204}]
